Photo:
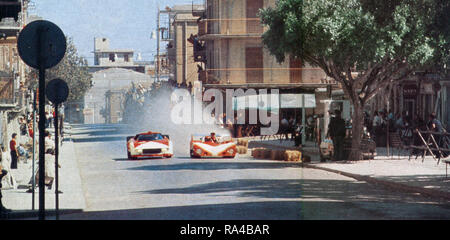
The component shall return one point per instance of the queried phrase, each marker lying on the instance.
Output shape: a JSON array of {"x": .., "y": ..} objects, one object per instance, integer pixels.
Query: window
[
  {"x": 254, "y": 64},
  {"x": 150, "y": 137},
  {"x": 295, "y": 66},
  {"x": 112, "y": 57},
  {"x": 126, "y": 58}
]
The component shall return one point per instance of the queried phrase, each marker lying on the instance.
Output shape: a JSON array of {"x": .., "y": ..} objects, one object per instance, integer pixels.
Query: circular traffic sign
[
  {"x": 41, "y": 43},
  {"x": 57, "y": 91}
]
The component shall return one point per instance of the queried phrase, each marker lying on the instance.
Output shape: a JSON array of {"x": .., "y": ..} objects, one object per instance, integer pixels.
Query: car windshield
[{"x": 150, "y": 137}]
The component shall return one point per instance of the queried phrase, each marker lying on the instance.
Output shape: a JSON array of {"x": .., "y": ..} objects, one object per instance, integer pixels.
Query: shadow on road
[
  {"x": 206, "y": 166},
  {"x": 100, "y": 139}
]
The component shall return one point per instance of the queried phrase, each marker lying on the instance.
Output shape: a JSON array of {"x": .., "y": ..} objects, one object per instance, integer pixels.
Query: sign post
[
  {"x": 57, "y": 92},
  {"x": 41, "y": 45}
]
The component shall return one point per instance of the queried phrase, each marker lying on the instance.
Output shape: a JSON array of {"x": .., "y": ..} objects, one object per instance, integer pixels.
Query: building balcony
[
  {"x": 306, "y": 76},
  {"x": 9, "y": 27},
  {"x": 210, "y": 29},
  {"x": 7, "y": 93}
]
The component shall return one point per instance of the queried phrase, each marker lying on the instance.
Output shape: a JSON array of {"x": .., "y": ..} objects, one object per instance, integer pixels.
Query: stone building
[
  {"x": 230, "y": 54},
  {"x": 101, "y": 102},
  {"x": 14, "y": 95}
]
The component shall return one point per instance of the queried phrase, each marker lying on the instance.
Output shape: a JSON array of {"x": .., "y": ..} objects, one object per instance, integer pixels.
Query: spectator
[
  {"x": 292, "y": 126},
  {"x": 23, "y": 152},
  {"x": 399, "y": 123},
  {"x": 30, "y": 129},
  {"x": 298, "y": 134},
  {"x": 49, "y": 170},
  {"x": 336, "y": 130},
  {"x": 310, "y": 128},
  {"x": 189, "y": 87},
  {"x": 49, "y": 143},
  {"x": 3, "y": 173},
  {"x": 434, "y": 124},
  {"x": 13, "y": 151},
  {"x": 52, "y": 118},
  {"x": 9, "y": 181},
  {"x": 47, "y": 119},
  {"x": 284, "y": 127}
]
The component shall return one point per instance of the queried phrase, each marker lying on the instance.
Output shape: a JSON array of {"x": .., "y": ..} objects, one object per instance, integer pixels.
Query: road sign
[
  {"x": 57, "y": 91},
  {"x": 41, "y": 42},
  {"x": 41, "y": 45}
]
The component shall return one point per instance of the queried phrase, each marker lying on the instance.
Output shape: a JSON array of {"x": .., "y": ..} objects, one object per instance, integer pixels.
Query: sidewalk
[
  {"x": 397, "y": 172},
  {"x": 70, "y": 201}
]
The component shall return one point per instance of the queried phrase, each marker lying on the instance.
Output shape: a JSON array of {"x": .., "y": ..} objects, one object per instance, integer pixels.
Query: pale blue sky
[{"x": 127, "y": 23}]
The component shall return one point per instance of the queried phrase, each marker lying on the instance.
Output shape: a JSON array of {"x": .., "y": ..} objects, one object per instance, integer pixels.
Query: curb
[
  {"x": 25, "y": 214},
  {"x": 389, "y": 184}
]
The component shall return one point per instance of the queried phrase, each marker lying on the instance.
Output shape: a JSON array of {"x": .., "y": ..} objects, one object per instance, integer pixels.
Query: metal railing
[
  {"x": 244, "y": 26},
  {"x": 264, "y": 75},
  {"x": 7, "y": 95}
]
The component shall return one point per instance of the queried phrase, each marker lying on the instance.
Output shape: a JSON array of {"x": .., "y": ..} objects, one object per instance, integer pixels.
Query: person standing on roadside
[
  {"x": 2, "y": 174},
  {"x": 13, "y": 150},
  {"x": 336, "y": 130}
]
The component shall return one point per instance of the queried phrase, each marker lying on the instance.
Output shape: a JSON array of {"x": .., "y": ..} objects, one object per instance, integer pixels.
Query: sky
[{"x": 127, "y": 23}]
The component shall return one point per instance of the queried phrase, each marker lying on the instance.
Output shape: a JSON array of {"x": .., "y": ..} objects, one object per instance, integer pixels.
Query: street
[{"x": 242, "y": 188}]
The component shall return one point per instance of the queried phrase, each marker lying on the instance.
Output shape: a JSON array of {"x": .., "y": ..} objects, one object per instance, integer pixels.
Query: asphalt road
[{"x": 242, "y": 188}]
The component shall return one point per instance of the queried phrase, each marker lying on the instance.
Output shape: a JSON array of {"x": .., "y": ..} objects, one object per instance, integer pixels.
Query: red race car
[
  {"x": 149, "y": 144},
  {"x": 212, "y": 146}
]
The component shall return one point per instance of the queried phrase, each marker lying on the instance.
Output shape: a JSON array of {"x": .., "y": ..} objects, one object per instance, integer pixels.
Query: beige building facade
[
  {"x": 232, "y": 36},
  {"x": 185, "y": 68}
]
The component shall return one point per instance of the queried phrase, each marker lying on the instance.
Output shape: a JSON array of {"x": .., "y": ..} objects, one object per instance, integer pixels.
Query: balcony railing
[
  {"x": 230, "y": 27},
  {"x": 7, "y": 90},
  {"x": 306, "y": 75}
]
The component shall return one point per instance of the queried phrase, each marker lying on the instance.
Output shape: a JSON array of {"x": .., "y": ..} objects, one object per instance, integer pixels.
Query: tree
[
  {"x": 73, "y": 69},
  {"x": 381, "y": 41}
]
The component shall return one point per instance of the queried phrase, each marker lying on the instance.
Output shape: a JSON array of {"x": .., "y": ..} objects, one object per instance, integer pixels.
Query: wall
[
  {"x": 185, "y": 67},
  {"x": 102, "y": 59}
]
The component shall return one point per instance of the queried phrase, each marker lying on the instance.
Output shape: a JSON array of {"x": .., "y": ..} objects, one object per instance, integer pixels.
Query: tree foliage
[
  {"x": 73, "y": 69},
  {"x": 383, "y": 41}
]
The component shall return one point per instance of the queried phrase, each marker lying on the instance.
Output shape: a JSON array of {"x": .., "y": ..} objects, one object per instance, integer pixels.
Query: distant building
[
  {"x": 176, "y": 25},
  {"x": 180, "y": 48},
  {"x": 113, "y": 72},
  {"x": 105, "y": 58},
  {"x": 101, "y": 102}
]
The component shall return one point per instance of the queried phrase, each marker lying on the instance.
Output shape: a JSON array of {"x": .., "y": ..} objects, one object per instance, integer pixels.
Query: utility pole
[{"x": 157, "y": 47}]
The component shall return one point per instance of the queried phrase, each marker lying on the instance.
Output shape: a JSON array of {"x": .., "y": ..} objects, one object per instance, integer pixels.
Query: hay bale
[
  {"x": 257, "y": 152},
  {"x": 306, "y": 159},
  {"x": 241, "y": 149},
  {"x": 266, "y": 153},
  {"x": 245, "y": 142},
  {"x": 242, "y": 142},
  {"x": 277, "y": 155},
  {"x": 293, "y": 156}
]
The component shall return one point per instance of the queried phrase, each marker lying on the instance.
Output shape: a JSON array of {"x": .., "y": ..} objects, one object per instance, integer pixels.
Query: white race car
[{"x": 149, "y": 144}]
